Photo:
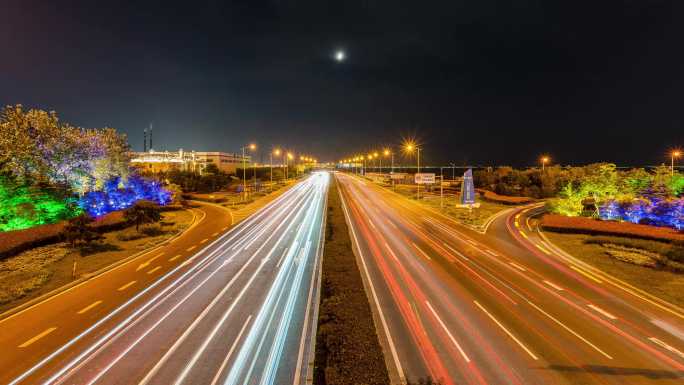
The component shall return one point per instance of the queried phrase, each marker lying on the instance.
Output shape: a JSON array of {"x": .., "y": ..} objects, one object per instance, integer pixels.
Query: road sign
[
  {"x": 398, "y": 175},
  {"x": 468, "y": 188},
  {"x": 425, "y": 178}
]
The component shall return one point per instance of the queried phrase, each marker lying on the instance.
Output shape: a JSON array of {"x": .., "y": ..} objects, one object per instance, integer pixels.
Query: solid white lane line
[
  {"x": 601, "y": 311},
  {"x": 553, "y": 285},
  {"x": 666, "y": 346},
  {"x": 570, "y": 330},
  {"x": 36, "y": 338},
  {"x": 585, "y": 273},
  {"x": 451, "y": 337},
  {"x": 89, "y": 307},
  {"x": 381, "y": 314},
  {"x": 507, "y": 332},
  {"x": 126, "y": 286},
  {"x": 230, "y": 352},
  {"x": 421, "y": 251},
  {"x": 517, "y": 266}
]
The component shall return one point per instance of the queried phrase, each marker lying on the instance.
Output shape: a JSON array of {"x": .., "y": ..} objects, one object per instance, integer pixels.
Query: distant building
[{"x": 195, "y": 161}]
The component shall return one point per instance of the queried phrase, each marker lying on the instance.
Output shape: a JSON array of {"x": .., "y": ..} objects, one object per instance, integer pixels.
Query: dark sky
[{"x": 477, "y": 81}]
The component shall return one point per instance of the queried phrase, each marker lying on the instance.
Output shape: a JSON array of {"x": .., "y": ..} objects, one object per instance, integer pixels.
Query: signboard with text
[
  {"x": 425, "y": 178},
  {"x": 468, "y": 188},
  {"x": 398, "y": 175}
]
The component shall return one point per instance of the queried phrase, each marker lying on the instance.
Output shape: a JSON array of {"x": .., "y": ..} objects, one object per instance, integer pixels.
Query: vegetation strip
[{"x": 347, "y": 346}]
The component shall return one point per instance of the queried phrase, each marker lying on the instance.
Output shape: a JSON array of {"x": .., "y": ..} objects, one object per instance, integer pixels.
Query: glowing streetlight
[
  {"x": 275, "y": 152},
  {"x": 544, "y": 160},
  {"x": 674, "y": 154},
  {"x": 409, "y": 147},
  {"x": 251, "y": 147}
]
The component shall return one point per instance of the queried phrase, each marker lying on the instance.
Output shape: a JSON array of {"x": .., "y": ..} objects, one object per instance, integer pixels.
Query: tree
[
  {"x": 143, "y": 212},
  {"x": 79, "y": 229}
]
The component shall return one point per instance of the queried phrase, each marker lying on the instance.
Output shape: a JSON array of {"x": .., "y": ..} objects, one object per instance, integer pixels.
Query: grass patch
[
  {"x": 450, "y": 205},
  {"x": 347, "y": 347},
  {"x": 661, "y": 282}
]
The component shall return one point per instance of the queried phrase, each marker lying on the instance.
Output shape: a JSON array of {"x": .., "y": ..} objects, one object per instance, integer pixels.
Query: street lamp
[
  {"x": 409, "y": 147},
  {"x": 251, "y": 147},
  {"x": 275, "y": 152},
  {"x": 674, "y": 154},
  {"x": 544, "y": 160},
  {"x": 289, "y": 157}
]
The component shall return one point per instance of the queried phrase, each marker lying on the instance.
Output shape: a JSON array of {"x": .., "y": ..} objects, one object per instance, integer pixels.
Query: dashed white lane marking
[
  {"x": 421, "y": 251},
  {"x": 601, "y": 311},
  {"x": 507, "y": 332},
  {"x": 153, "y": 270},
  {"x": 517, "y": 266},
  {"x": 666, "y": 346},
  {"x": 553, "y": 285},
  {"x": 451, "y": 337}
]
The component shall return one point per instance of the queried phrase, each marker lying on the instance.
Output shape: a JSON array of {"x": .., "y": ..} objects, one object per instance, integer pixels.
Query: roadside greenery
[
  {"x": 597, "y": 190},
  {"x": 52, "y": 171}
]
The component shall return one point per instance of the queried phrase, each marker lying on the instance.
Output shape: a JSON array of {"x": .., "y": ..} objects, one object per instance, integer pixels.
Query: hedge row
[
  {"x": 503, "y": 199},
  {"x": 14, "y": 242},
  {"x": 347, "y": 348},
  {"x": 563, "y": 224}
]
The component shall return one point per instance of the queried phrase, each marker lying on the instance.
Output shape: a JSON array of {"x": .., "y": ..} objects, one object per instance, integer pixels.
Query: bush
[
  {"x": 142, "y": 212},
  {"x": 14, "y": 242},
  {"x": 673, "y": 251},
  {"x": 563, "y": 224}
]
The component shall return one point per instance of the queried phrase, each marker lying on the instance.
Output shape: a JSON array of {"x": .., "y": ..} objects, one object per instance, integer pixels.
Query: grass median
[{"x": 347, "y": 347}]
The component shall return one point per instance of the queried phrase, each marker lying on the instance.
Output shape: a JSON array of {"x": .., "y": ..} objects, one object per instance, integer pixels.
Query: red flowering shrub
[
  {"x": 584, "y": 225},
  {"x": 504, "y": 199},
  {"x": 14, "y": 242}
]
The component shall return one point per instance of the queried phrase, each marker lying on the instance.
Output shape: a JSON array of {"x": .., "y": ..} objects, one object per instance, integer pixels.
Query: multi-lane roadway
[
  {"x": 240, "y": 309},
  {"x": 463, "y": 307}
]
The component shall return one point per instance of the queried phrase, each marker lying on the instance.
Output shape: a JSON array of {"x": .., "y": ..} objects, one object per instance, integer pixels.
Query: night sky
[{"x": 478, "y": 82}]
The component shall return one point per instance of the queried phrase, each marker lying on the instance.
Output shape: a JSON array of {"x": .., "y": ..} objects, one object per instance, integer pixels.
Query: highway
[
  {"x": 240, "y": 309},
  {"x": 502, "y": 307}
]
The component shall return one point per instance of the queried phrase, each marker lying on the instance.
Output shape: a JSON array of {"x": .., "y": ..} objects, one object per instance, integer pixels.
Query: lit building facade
[{"x": 195, "y": 161}]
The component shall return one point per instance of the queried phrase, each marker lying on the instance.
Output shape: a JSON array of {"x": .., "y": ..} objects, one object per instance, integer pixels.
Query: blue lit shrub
[{"x": 117, "y": 195}]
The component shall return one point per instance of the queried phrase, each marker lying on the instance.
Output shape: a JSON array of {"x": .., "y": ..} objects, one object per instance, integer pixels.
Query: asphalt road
[
  {"x": 500, "y": 308},
  {"x": 235, "y": 310}
]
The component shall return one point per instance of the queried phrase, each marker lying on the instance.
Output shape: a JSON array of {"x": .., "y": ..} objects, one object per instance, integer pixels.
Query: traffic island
[{"x": 347, "y": 347}]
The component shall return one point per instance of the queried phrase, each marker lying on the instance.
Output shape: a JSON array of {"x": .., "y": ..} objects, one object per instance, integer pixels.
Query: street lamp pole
[{"x": 674, "y": 154}]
